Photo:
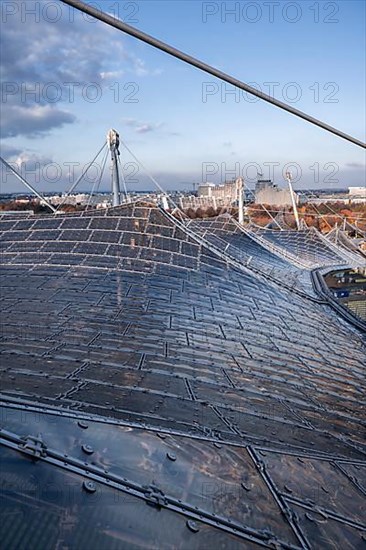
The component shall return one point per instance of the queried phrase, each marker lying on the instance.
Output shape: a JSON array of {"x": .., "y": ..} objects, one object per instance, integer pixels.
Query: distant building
[
  {"x": 263, "y": 184},
  {"x": 208, "y": 194},
  {"x": 205, "y": 189},
  {"x": 357, "y": 191},
  {"x": 266, "y": 192},
  {"x": 225, "y": 192},
  {"x": 76, "y": 199},
  {"x": 357, "y": 194}
]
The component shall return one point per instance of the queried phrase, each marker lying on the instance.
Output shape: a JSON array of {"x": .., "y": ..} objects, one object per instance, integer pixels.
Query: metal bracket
[
  {"x": 34, "y": 446},
  {"x": 154, "y": 496}
]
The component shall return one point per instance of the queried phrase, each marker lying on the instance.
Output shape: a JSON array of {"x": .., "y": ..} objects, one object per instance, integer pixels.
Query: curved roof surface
[{"x": 232, "y": 405}]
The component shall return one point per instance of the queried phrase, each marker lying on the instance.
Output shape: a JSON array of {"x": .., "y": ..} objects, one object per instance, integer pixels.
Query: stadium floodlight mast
[{"x": 148, "y": 39}]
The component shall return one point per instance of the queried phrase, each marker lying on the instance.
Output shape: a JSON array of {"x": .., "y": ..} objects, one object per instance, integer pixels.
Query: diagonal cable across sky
[{"x": 162, "y": 46}]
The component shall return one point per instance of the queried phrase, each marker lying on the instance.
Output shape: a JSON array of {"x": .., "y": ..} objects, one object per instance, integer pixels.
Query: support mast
[
  {"x": 113, "y": 144},
  {"x": 240, "y": 190},
  {"x": 293, "y": 199}
]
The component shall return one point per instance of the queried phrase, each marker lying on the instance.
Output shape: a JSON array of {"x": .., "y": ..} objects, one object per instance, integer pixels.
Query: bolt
[
  {"x": 89, "y": 486},
  {"x": 82, "y": 424},
  {"x": 88, "y": 449},
  {"x": 192, "y": 526}
]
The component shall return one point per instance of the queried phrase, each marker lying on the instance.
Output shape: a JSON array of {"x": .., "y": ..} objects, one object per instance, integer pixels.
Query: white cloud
[
  {"x": 142, "y": 127},
  {"x": 105, "y": 75},
  {"x": 140, "y": 68},
  {"x": 33, "y": 120},
  {"x": 59, "y": 57}
]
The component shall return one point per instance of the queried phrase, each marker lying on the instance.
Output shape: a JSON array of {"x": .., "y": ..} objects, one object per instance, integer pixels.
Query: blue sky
[{"x": 184, "y": 125}]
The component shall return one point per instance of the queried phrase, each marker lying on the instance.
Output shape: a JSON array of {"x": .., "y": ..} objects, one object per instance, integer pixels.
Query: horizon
[{"x": 322, "y": 190}]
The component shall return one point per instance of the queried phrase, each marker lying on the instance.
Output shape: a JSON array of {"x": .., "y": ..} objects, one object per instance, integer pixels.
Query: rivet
[{"x": 171, "y": 456}]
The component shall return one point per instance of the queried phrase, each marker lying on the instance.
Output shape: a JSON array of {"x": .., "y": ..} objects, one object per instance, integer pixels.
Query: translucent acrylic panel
[
  {"x": 104, "y": 223},
  {"x": 75, "y": 223},
  {"x": 106, "y": 236},
  {"x": 75, "y": 235}
]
